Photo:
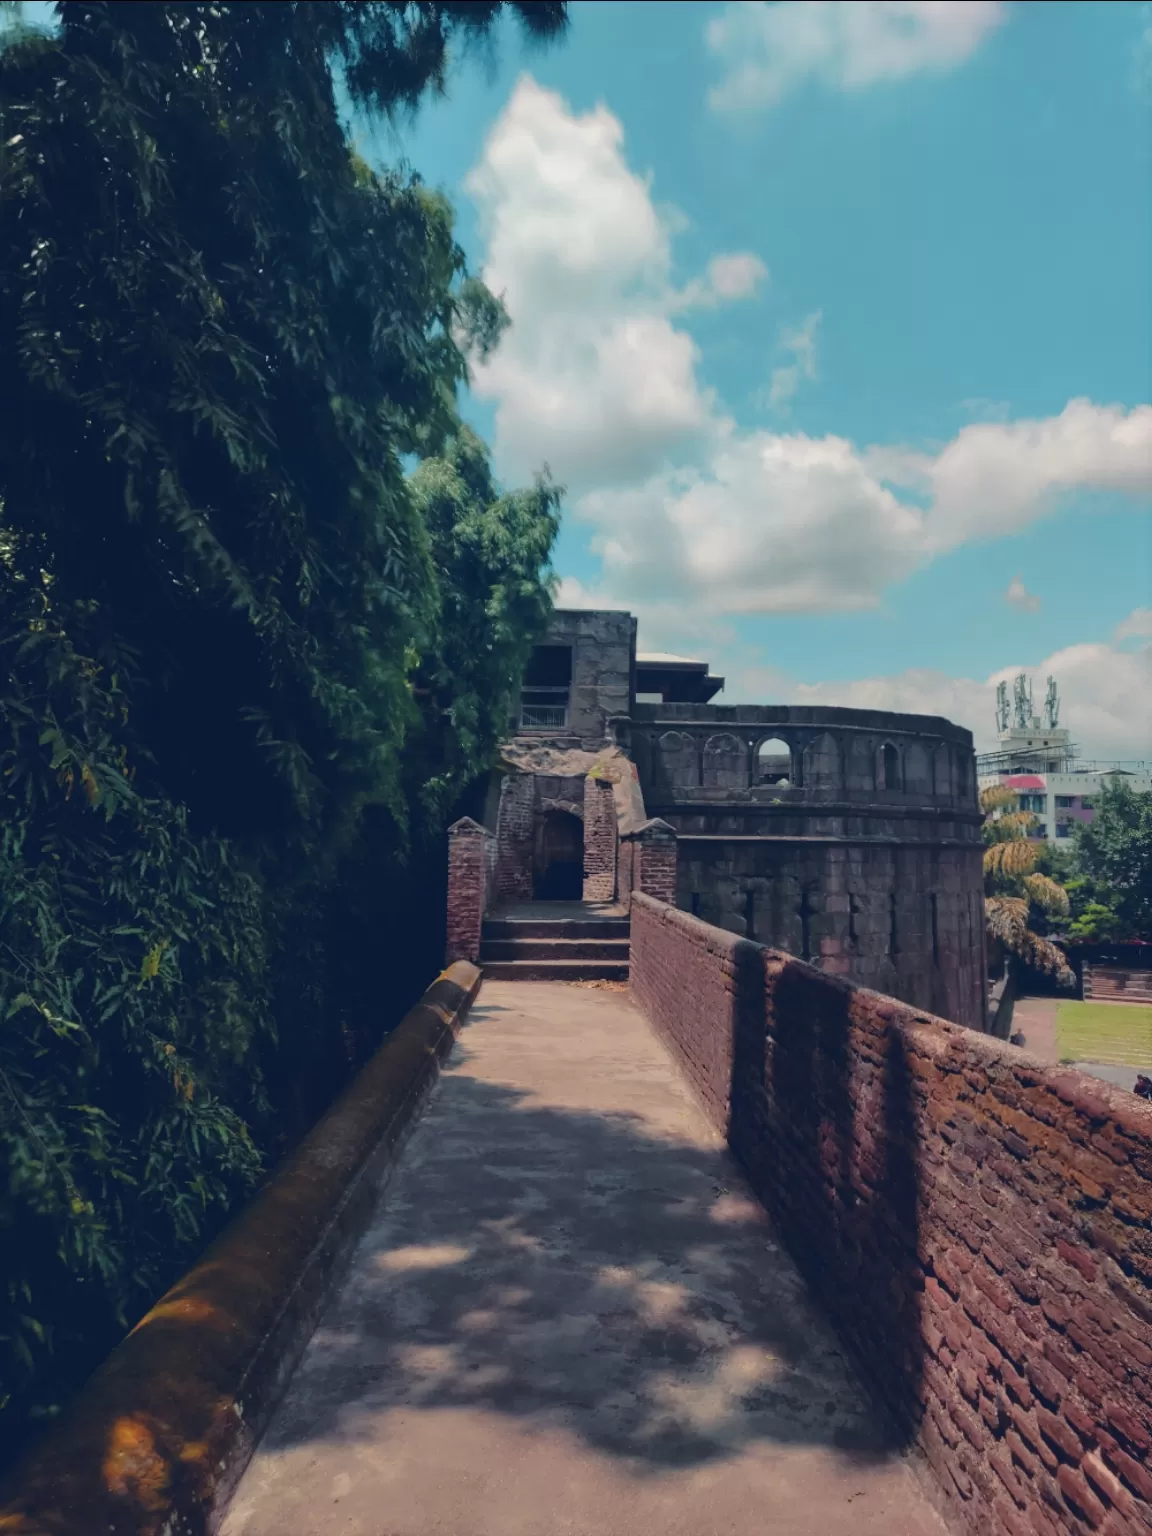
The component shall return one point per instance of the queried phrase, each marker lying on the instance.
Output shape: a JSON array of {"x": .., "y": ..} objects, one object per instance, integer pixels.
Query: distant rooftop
[{"x": 666, "y": 659}]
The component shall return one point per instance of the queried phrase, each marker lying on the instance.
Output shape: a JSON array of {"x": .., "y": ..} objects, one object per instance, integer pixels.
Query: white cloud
[
  {"x": 770, "y": 524},
  {"x": 768, "y": 51},
  {"x": 729, "y": 278},
  {"x": 801, "y": 343},
  {"x": 1019, "y": 597},
  {"x": 1106, "y": 696},
  {"x": 994, "y": 477},
  {"x": 775, "y": 523},
  {"x": 685, "y": 508},
  {"x": 592, "y": 376},
  {"x": 1137, "y": 626}
]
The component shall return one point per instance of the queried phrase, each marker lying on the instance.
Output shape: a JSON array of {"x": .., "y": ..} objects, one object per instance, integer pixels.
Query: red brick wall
[
  {"x": 471, "y": 862},
  {"x": 513, "y": 878},
  {"x": 648, "y": 862},
  {"x": 977, "y": 1225},
  {"x": 599, "y": 840}
]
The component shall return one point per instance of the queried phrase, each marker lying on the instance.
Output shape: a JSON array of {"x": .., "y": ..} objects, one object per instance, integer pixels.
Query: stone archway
[{"x": 558, "y": 865}]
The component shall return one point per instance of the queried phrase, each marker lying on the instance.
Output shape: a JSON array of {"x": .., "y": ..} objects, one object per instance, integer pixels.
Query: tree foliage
[
  {"x": 133, "y": 991},
  {"x": 240, "y": 645},
  {"x": 1112, "y": 888},
  {"x": 1020, "y": 896}
]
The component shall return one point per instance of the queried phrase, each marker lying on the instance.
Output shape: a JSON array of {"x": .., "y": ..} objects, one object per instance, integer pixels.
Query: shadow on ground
[{"x": 606, "y": 1272}]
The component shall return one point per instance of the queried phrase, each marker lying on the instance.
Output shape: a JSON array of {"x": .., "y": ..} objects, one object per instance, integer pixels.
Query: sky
[{"x": 834, "y": 320}]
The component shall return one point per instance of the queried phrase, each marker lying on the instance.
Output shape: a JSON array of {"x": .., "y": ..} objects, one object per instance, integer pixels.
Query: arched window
[
  {"x": 889, "y": 774},
  {"x": 774, "y": 762}
]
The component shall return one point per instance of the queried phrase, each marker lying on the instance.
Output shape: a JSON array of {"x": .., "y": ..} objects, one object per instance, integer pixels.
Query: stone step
[
  {"x": 553, "y": 949},
  {"x": 555, "y": 970},
  {"x": 555, "y": 928},
  {"x": 1116, "y": 985}
]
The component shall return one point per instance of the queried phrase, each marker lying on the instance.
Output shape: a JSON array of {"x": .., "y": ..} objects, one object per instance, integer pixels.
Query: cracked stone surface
[{"x": 569, "y": 1315}]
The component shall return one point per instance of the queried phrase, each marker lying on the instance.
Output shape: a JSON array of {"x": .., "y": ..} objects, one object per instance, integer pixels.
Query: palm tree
[{"x": 1016, "y": 891}]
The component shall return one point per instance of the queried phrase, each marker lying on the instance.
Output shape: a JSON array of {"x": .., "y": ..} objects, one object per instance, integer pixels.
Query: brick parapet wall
[
  {"x": 600, "y": 840},
  {"x": 648, "y": 859},
  {"x": 978, "y": 1225},
  {"x": 515, "y": 832},
  {"x": 471, "y": 865}
]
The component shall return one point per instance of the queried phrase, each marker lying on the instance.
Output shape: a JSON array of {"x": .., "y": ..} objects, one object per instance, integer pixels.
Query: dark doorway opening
[{"x": 559, "y": 863}]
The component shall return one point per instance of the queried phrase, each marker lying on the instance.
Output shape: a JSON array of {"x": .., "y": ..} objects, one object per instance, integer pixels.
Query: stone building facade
[{"x": 850, "y": 838}]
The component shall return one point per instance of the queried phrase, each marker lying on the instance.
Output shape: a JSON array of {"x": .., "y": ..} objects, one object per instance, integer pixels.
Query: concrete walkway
[
  {"x": 569, "y": 1317},
  {"x": 1035, "y": 1019}
]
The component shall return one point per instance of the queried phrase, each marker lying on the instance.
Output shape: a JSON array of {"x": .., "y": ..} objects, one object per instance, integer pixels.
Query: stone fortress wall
[
  {"x": 863, "y": 856},
  {"x": 850, "y": 838}
]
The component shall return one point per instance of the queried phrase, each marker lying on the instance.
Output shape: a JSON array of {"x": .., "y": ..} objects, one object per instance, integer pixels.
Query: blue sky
[
  {"x": 951, "y": 208},
  {"x": 834, "y": 319}
]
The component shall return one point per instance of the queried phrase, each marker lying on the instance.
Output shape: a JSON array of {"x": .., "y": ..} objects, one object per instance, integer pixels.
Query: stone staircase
[
  {"x": 1113, "y": 985},
  {"x": 556, "y": 941}
]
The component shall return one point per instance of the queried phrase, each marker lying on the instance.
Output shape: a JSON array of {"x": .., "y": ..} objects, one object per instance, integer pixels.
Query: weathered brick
[
  {"x": 1058, "y": 1434},
  {"x": 1127, "y": 1425},
  {"x": 1014, "y": 1275},
  {"x": 1029, "y": 1430},
  {"x": 1107, "y": 1485},
  {"x": 1084, "y": 1423},
  {"x": 1022, "y": 1455},
  {"x": 1136, "y": 1476},
  {"x": 1048, "y": 1384},
  {"x": 1079, "y": 1258},
  {"x": 1016, "y": 1384},
  {"x": 1075, "y": 1489}
]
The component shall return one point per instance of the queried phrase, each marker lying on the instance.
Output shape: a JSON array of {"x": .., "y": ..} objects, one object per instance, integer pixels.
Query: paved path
[
  {"x": 568, "y": 1318},
  {"x": 1035, "y": 1019}
]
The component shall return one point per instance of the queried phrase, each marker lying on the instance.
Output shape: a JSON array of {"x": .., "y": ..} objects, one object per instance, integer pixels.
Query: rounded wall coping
[
  {"x": 758, "y": 717},
  {"x": 156, "y": 1442}
]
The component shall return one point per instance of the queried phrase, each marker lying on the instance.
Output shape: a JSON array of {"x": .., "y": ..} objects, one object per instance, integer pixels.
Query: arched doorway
[{"x": 558, "y": 874}]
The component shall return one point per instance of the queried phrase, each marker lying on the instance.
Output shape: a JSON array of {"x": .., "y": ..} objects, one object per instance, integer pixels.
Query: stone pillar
[
  {"x": 654, "y": 865},
  {"x": 470, "y": 850},
  {"x": 514, "y": 832},
  {"x": 599, "y": 840}
]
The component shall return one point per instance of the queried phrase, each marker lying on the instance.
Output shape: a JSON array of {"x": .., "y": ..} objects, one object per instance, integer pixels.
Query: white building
[{"x": 1036, "y": 758}]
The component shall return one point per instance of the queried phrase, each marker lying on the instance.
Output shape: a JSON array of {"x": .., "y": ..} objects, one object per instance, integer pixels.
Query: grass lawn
[{"x": 1118, "y": 1034}]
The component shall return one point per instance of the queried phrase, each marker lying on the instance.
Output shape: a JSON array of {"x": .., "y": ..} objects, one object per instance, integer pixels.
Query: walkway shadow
[
  {"x": 822, "y": 1121},
  {"x": 576, "y": 1269}
]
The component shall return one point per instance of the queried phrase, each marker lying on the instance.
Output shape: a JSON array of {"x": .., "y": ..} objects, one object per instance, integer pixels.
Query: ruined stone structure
[{"x": 850, "y": 838}]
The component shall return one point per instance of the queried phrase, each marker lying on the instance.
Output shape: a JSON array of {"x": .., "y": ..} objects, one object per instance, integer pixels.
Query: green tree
[
  {"x": 134, "y": 994},
  {"x": 487, "y": 551},
  {"x": 1019, "y": 897},
  {"x": 220, "y": 334},
  {"x": 1112, "y": 890}
]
